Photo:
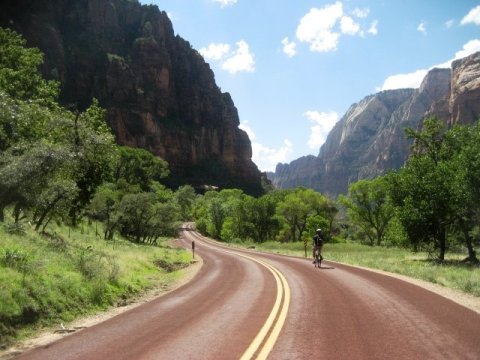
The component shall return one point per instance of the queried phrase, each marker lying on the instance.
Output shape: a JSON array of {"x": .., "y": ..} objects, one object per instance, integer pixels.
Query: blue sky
[{"x": 293, "y": 67}]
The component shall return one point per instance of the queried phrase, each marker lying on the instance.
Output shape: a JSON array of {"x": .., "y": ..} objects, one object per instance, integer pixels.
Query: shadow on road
[{"x": 326, "y": 268}]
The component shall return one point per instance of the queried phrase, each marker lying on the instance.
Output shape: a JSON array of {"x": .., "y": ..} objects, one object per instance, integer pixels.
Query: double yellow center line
[
  {"x": 268, "y": 334},
  {"x": 264, "y": 341}
]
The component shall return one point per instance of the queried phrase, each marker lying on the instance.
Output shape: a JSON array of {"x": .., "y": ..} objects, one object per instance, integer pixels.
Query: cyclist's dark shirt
[{"x": 318, "y": 240}]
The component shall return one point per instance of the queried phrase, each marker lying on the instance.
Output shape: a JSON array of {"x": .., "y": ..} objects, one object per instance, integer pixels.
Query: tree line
[
  {"x": 283, "y": 215},
  {"x": 433, "y": 201}
]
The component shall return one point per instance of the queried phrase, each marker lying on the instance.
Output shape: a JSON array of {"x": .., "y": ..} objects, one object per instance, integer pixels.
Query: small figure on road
[{"x": 318, "y": 240}]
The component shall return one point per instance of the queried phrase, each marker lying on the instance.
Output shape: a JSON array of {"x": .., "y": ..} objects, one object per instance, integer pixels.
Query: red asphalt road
[{"x": 337, "y": 312}]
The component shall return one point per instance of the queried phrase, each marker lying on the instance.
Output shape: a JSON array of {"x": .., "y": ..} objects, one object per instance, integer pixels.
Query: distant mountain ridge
[
  {"x": 159, "y": 92},
  {"x": 369, "y": 139}
]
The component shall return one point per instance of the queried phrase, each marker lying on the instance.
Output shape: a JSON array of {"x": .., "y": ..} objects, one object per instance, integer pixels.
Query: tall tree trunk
[
  {"x": 16, "y": 213},
  {"x": 472, "y": 255},
  {"x": 379, "y": 236},
  {"x": 46, "y": 212},
  {"x": 46, "y": 223},
  {"x": 442, "y": 242}
]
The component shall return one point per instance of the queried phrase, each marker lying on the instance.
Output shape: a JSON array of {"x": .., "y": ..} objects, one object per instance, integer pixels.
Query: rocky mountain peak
[
  {"x": 435, "y": 83},
  {"x": 369, "y": 139}
]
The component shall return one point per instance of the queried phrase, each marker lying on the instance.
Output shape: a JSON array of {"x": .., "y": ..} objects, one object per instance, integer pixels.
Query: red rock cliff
[{"x": 159, "y": 92}]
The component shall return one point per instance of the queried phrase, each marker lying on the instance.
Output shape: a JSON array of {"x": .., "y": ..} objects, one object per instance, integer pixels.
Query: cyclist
[{"x": 318, "y": 240}]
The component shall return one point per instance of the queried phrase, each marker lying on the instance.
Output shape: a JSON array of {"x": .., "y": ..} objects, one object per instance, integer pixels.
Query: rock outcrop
[
  {"x": 369, "y": 139},
  {"x": 159, "y": 92},
  {"x": 464, "y": 104}
]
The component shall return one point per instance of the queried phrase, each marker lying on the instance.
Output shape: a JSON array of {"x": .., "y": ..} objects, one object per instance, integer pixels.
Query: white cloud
[
  {"x": 402, "y": 81},
  {"x": 348, "y": 26},
  {"x": 373, "y": 28},
  {"x": 225, "y": 3},
  {"x": 361, "y": 13},
  {"x": 421, "y": 28},
  {"x": 214, "y": 51},
  {"x": 468, "y": 49},
  {"x": 316, "y": 27},
  {"x": 289, "y": 48},
  {"x": 232, "y": 61},
  {"x": 473, "y": 17},
  {"x": 414, "y": 79},
  {"x": 264, "y": 157},
  {"x": 240, "y": 60},
  {"x": 245, "y": 127},
  {"x": 267, "y": 158},
  {"x": 322, "y": 28},
  {"x": 322, "y": 122},
  {"x": 449, "y": 24}
]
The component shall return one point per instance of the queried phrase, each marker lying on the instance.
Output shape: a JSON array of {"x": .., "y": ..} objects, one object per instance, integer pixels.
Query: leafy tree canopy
[{"x": 19, "y": 74}]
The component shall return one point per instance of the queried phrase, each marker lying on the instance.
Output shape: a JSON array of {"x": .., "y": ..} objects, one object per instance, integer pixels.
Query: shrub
[
  {"x": 14, "y": 229},
  {"x": 15, "y": 259}
]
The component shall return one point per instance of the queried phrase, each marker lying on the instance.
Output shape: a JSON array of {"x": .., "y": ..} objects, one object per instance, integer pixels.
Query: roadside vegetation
[{"x": 47, "y": 280}]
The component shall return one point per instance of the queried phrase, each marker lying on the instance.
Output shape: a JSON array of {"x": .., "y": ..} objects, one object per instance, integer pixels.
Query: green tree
[
  {"x": 26, "y": 172},
  {"x": 165, "y": 221},
  {"x": 22, "y": 121},
  {"x": 185, "y": 198},
  {"x": 216, "y": 216},
  {"x": 369, "y": 207},
  {"x": 262, "y": 216},
  {"x": 54, "y": 201},
  {"x": 139, "y": 166},
  {"x": 297, "y": 207},
  {"x": 104, "y": 205},
  {"x": 27, "y": 101},
  {"x": 461, "y": 148},
  {"x": 135, "y": 214},
  {"x": 422, "y": 189},
  {"x": 94, "y": 149},
  {"x": 19, "y": 71}
]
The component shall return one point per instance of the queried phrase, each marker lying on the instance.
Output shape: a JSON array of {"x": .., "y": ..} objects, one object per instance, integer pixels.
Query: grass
[
  {"x": 46, "y": 280},
  {"x": 452, "y": 273}
]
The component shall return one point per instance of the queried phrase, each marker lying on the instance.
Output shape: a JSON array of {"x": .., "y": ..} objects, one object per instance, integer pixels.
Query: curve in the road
[{"x": 265, "y": 340}]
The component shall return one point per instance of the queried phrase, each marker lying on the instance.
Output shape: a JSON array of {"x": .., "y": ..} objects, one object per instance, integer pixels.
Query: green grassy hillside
[{"x": 49, "y": 279}]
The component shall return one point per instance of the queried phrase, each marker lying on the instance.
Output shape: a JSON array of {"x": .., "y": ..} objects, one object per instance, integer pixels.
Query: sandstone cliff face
[
  {"x": 349, "y": 146},
  {"x": 369, "y": 139},
  {"x": 159, "y": 92},
  {"x": 464, "y": 104}
]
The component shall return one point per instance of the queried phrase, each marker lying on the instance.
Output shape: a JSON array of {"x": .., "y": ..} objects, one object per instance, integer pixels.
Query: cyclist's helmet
[{"x": 319, "y": 230}]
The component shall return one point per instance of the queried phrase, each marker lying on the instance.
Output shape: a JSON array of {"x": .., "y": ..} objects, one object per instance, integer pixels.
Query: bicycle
[{"x": 318, "y": 258}]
